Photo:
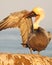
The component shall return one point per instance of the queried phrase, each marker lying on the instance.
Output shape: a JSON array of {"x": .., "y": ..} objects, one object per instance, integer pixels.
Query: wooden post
[{"x": 24, "y": 59}]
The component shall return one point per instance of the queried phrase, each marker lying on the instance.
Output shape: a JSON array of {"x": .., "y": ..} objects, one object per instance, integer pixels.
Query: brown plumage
[
  {"x": 17, "y": 20},
  {"x": 37, "y": 40}
]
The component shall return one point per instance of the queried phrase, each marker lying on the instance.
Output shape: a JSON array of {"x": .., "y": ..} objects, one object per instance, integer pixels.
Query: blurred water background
[
  {"x": 10, "y": 39},
  {"x": 10, "y": 42}
]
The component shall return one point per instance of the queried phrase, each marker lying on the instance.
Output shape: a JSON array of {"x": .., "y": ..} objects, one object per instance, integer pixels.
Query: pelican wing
[
  {"x": 15, "y": 20},
  {"x": 12, "y": 20},
  {"x": 25, "y": 28}
]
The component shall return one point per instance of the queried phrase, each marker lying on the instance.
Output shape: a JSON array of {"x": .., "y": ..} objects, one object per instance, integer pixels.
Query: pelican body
[
  {"x": 35, "y": 40},
  {"x": 39, "y": 39}
]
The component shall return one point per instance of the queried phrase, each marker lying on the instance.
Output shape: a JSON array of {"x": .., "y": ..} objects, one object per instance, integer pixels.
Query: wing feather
[
  {"x": 25, "y": 28},
  {"x": 12, "y": 20},
  {"x": 15, "y": 20}
]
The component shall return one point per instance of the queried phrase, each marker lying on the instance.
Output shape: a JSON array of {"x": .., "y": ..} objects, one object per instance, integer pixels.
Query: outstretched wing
[
  {"x": 12, "y": 20},
  {"x": 25, "y": 28},
  {"x": 15, "y": 20}
]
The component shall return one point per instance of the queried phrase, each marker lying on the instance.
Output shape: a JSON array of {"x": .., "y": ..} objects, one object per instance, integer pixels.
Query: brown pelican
[
  {"x": 39, "y": 37},
  {"x": 35, "y": 40}
]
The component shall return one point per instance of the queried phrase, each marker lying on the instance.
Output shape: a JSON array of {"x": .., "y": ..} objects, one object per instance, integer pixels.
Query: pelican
[{"x": 30, "y": 31}]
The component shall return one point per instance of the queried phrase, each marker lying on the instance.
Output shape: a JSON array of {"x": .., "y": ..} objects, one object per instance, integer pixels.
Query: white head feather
[{"x": 41, "y": 14}]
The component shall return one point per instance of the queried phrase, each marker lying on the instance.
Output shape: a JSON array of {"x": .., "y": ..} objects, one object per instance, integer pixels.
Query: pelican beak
[{"x": 31, "y": 14}]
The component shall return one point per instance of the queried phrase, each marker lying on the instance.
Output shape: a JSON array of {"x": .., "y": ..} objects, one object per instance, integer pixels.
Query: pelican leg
[
  {"x": 31, "y": 50},
  {"x": 38, "y": 52}
]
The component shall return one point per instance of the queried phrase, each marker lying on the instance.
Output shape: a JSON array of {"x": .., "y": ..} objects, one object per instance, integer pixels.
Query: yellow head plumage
[{"x": 39, "y": 11}]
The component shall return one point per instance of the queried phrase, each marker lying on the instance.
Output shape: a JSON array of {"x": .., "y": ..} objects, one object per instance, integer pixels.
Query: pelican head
[
  {"x": 39, "y": 15},
  {"x": 38, "y": 11}
]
